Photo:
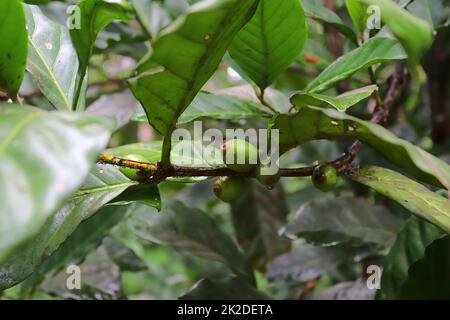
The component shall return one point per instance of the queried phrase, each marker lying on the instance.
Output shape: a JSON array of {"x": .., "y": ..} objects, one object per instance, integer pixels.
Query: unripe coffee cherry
[
  {"x": 228, "y": 189},
  {"x": 269, "y": 181},
  {"x": 130, "y": 173},
  {"x": 239, "y": 155},
  {"x": 324, "y": 177}
]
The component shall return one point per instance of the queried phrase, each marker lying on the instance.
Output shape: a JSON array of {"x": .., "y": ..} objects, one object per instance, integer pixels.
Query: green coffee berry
[
  {"x": 269, "y": 181},
  {"x": 324, "y": 177},
  {"x": 228, "y": 189},
  {"x": 240, "y": 155},
  {"x": 130, "y": 173}
]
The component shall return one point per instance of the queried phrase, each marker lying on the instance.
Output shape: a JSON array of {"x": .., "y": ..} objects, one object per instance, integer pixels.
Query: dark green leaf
[
  {"x": 100, "y": 280},
  {"x": 257, "y": 216},
  {"x": 88, "y": 236},
  {"x": 344, "y": 219},
  {"x": 408, "y": 248},
  {"x": 309, "y": 262},
  {"x": 184, "y": 57},
  {"x": 191, "y": 232},
  {"x": 13, "y": 46},
  {"x": 429, "y": 278},
  {"x": 271, "y": 41}
]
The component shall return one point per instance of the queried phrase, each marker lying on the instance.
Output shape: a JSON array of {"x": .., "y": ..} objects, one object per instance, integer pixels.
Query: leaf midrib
[
  {"x": 85, "y": 192},
  {"x": 52, "y": 76}
]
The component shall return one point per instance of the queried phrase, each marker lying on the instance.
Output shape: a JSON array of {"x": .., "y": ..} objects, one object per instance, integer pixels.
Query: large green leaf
[
  {"x": 13, "y": 46},
  {"x": 257, "y": 216},
  {"x": 52, "y": 59},
  {"x": 312, "y": 123},
  {"x": 309, "y": 262},
  {"x": 88, "y": 236},
  {"x": 316, "y": 10},
  {"x": 44, "y": 157},
  {"x": 271, "y": 41},
  {"x": 415, "y": 34},
  {"x": 429, "y": 278},
  {"x": 90, "y": 17},
  {"x": 224, "y": 289},
  {"x": 214, "y": 106},
  {"x": 342, "y": 219},
  {"x": 341, "y": 102},
  {"x": 184, "y": 57},
  {"x": 104, "y": 185},
  {"x": 410, "y": 194},
  {"x": 374, "y": 51},
  {"x": 191, "y": 232},
  {"x": 408, "y": 248}
]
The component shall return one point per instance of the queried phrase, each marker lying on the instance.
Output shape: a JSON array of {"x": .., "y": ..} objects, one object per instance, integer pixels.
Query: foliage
[{"x": 90, "y": 89}]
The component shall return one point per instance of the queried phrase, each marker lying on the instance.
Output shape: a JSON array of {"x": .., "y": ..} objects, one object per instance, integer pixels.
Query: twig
[
  {"x": 262, "y": 99},
  {"x": 155, "y": 173}
]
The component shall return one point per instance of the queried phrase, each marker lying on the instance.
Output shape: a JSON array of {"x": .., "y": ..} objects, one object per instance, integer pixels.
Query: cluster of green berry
[{"x": 229, "y": 188}]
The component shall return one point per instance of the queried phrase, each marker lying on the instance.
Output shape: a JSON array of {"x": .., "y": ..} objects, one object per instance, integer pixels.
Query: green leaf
[
  {"x": 271, "y": 41},
  {"x": 309, "y": 262},
  {"x": 358, "y": 13},
  {"x": 52, "y": 59},
  {"x": 429, "y": 277},
  {"x": 122, "y": 255},
  {"x": 410, "y": 194},
  {"x": 409, "y": 248},
  {"x": 214, "y": 106},
  {"x": 257, "y": 216},
  {"x": 192, "y": 232},
  {"x": 343, "y": 219},
  {"x": 312, "y": 123},
  {"x": 415, "y": 34},
  {"x": 94, "y": 16},
  {"x": 100, "y": 280},
  {"x": 90, "y": 17},
  {"x": 375, "y": 50},
  {"x": 45, "y": 157},
  {"x": 184, "y": 57},
  {"x": 224, "y": 289},
  {"x": 104, "y": 185},
  {"x": 13, "y": 46},
  {"x": 151, "y": 15},
  {"x": 88, "y": 236},
  {"x": 316, "y": 10},
  {"x": 341, "y": 102}
]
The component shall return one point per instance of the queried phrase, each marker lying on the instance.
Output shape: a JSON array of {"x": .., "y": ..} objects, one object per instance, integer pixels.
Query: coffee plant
[{"x": 224, "y": 149}]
